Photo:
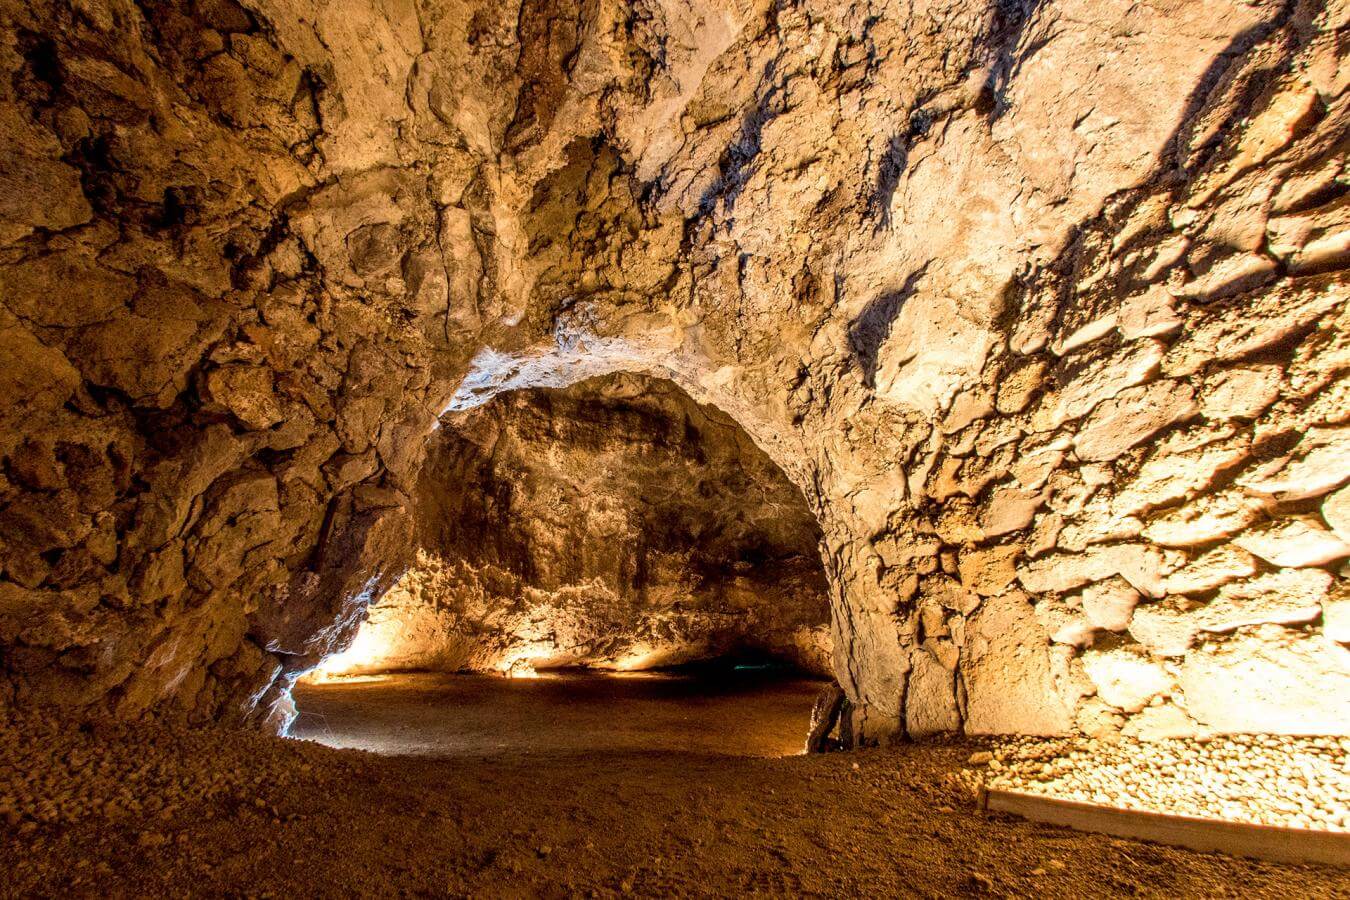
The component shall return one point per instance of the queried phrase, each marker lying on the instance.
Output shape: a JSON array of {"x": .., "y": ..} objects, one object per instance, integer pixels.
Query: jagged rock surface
[
  {"x": 614, "y": 524},
  {"x": 1027, "y": 298}
]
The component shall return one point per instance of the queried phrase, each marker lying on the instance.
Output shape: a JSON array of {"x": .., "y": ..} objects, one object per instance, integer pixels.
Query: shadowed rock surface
[{"x": 614, "y": 524}]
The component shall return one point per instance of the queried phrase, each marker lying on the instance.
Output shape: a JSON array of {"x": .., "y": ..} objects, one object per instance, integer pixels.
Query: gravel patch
[{"x": 1294, "y": 782}]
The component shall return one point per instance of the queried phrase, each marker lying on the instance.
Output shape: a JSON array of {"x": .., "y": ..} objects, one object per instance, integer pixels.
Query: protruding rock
[
  {"x": 1065, "y": 623},
  {"x": 1210, "y": 570},
  {"x": 1284, "y": 597},
  {"x": 1293, "y": 541},
  {"x": 1166, "y": 628},
  {"x": 1179, "y": 466},
  {"x": 1133, "y": 416},
  {"x": 1336, "y": 617},
  {"x": 1319, "y": 462},
  {"x": 1141, "y": 565},
  {"x": 987, "y": 572},
  {"x": 1018, "y": 386},
  {"x": 1270, "y": 680},
  {"x": 930, "y": 698},
  {"x": 1336, "y": 512},
  {"x": 35, "y": 376},
  {"x": 1010, "y": 683},
  {"x": 1110, "y": 604},
  {"x": 1149, "y": 314},
  {"x": 1161, "y": 723},
  {"x": 247, "y": 392},
  {"x": 1009, "y": 509},
  {"x": 1102, "y": 379},
  {"x": 1205, "y": 519},
  {"x": 1269, "y": 317},
  {"x": 1125, "y": 678},
  {"x": 1240, "y": 392}
]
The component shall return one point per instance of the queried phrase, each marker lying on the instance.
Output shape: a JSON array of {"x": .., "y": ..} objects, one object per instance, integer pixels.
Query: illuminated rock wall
[
  {"x": 615, "y": 524},
  {"x": 1041, "y": 305}
]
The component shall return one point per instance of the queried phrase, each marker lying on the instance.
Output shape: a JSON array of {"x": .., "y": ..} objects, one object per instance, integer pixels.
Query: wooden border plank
[{"x": 1294, "y": 845}]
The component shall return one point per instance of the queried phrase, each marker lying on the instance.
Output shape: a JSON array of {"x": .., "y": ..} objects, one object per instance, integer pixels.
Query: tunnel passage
[{"x": 614, "y": 524}]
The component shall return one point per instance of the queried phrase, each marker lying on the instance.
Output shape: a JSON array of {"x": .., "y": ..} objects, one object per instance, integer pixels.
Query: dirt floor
[{"x": 160, "y": 811}]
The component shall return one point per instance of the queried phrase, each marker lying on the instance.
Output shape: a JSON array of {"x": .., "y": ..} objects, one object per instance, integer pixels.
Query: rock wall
[
  {"x": 615, "y": 524},
  {"x": 245, "y": 257},
  {"x": 1041, "y": 305}
]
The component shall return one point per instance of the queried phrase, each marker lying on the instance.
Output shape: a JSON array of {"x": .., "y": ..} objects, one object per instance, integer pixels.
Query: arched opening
[{"x": 611, "y": 526}]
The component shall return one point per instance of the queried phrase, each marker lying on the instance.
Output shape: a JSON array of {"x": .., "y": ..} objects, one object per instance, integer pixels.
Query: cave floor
[
  {"x": 745, "y": 712},
  {"x": 121, "y": 811}
]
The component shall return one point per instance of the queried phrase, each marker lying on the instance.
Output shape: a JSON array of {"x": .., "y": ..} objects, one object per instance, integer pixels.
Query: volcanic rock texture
[
  {"x": 614, "y": 524},
  {"x": 1042, "y": 305}
]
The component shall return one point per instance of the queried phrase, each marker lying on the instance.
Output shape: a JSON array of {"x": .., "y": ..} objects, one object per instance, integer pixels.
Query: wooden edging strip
[{"x": 1295, "y": 845}]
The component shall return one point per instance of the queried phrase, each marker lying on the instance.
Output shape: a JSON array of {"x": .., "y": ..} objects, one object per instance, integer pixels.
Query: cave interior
[{"x": 674, "y": 447}]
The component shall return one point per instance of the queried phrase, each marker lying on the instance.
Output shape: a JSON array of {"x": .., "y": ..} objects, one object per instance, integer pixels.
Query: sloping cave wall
[
  {"x": 1041, "y": 304},
  {"x": 613, "y": 524}
]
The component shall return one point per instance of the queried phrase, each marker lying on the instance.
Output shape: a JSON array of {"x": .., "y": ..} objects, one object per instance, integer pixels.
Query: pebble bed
[{"x": 1293, "y": 782}]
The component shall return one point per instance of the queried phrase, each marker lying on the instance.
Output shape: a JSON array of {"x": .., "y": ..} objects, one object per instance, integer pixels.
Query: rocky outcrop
[
  {"x": 1041, "y": 306},
  {"x": 615, "y": 524}
]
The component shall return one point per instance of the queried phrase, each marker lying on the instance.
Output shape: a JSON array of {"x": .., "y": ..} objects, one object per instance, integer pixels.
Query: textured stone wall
[
  {"x": 1040, "y": 304},
  {"x": 229, "y": 319},
  {"x": 615, "y": 524}
]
